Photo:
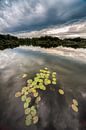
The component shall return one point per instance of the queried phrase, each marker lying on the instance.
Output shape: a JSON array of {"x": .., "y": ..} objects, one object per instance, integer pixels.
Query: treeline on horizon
[{"x": 8, "y": 41}]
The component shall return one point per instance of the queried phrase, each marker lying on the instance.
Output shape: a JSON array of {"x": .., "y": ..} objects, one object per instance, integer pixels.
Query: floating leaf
[
  {"x": 26, "y": 104},
  {"x": 61, "y": 91},
  {"x": 75, "y": 102},
  {"x": 33, "y": 112},
  {"x": 24, "y": 76},
  {"x": 26, "y": 93},
  {"x": 35, "y": 119},
  {"x": 38, "y": 99},
  {"x": 28, "y": 99},
  {"x": 75, "y": 108},
  {"x": 35, "y": 94},
  {"x": 40, "y": 80},
  {"x": 54, "y": 73},
  {"x": 54, "y": 79},
  {"x": 33, "y": 107},
  {"x": 29, "y": 81},
  {"x": 24, "y": 89},
  {"x": 23, "y": 98},
  {"x": 27, "y": 111},
  {"x": 28, "y": 122},
  {"x": 46, "y": 68},
  {"x": 18, "y": 94},
  {"x": 29, "y": 117},
  {"x": 54, "y": 76},
  {"x": 34, "y": 90},
  {"x": 54, "y": 82}
]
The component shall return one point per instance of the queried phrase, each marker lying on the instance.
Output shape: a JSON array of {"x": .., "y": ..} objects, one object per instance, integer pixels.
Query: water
[{"x": 55, "y": 111}]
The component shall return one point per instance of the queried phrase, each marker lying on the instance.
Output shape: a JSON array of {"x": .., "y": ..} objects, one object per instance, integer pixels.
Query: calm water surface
[{"x": 54, "y": 111}]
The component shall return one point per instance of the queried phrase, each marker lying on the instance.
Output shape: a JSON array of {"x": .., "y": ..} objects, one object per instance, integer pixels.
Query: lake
[{"x": 55, "y": 111}]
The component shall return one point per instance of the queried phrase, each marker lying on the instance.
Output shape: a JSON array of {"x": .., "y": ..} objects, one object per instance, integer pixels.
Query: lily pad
[
  {"x": 29, "y": 117},
  {"x": 38, "y": 99},
  {"x": 46, "y": 68},
  {"x": 29, "y": 81},
  {"x": 54, "y": 79},
  {"x": 61, "y": 91},
  {"x": 26, "y": 93},
  {"x": 28, "y": 99},
  {"x": 27, "y": 111},
  {"x": 33, "y": 112},
  {"x": 26, "y": 104},
  {"x": 35, "y": 119},
  {"x": 24, "y": 75},
  {"x": 54, "y": 73},
  {"x": 18, "y": 94},
  {"x": 28, "y": 122},
  {"x": 23, "y": 98},
  {"x": 75, "y": 102},
  {"x": 75, "y": 108},
  {"x": 54, "y": 82},
  {"x": 35, "y": 94}
]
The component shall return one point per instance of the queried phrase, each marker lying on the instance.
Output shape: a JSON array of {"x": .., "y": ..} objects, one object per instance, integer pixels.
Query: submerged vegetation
[
  {"x": 31, "y": 97},
  {"x": 8, "y": 41}
]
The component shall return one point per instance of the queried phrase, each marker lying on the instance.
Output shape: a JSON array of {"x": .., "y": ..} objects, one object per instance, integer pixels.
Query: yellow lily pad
[
  {"x": 24, "y": 76},
  {"x": 46, "y": 68},
  {"x": 18, "y": 94},
  {"x": 75, "y": 108},
  {"x": 54, "y": 79},
  {"x": 54, "y": 82},
  {"x": 75, "y": 102},
  {"x": 38, "y": 99},
  {"x": 54, "y": 73},
  {"x": 35, "y": 119},
  {"x": 61, "y": 91},
  {"x": 36, "y": 94}
]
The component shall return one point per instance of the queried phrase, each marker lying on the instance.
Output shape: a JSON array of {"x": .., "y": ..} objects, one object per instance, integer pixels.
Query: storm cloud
[{"x": 18, "y": 16}]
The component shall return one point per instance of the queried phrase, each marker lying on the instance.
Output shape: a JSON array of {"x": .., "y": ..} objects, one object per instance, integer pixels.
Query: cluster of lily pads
[{"x": 30, "y": 94}]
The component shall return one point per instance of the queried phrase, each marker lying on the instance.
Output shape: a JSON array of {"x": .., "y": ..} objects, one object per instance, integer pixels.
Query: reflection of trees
[{"x": 8, "y": 41}]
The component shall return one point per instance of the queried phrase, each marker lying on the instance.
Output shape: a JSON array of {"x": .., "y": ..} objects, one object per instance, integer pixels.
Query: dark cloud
[{"x": 24, "y": 15}]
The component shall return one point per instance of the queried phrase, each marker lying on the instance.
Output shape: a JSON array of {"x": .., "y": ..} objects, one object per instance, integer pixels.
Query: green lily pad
[
  {"x": 27, "y": 111},
  {"x": 23, "y": 98},
  {"x": 40, "y": 80},
  {"x": 28, "y": 122},
  {"x": 26, "y": 104},
  {"x": 33, "y": 112},
  {"x": 29, "y": 81},
  {"x": 47, "y": 81},
  {"x": 29, "y": 117},
  {"x": 38, "y": 99},
  {"x": 28, "y": 99}
]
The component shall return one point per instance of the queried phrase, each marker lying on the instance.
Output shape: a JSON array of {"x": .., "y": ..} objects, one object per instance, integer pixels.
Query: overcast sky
[{"x": 28, "y": 16}]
